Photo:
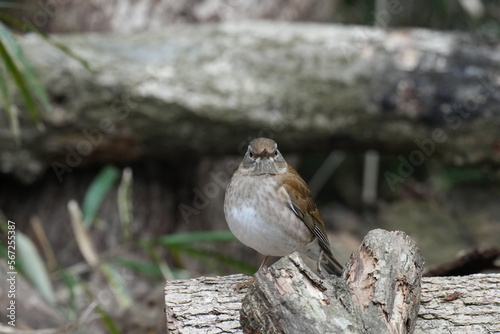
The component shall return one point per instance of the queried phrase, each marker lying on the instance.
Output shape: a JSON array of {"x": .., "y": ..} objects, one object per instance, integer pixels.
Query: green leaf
[
  {"x": 33, "y": 267},
  {"x": 208, "y": 256},
  {"x": 23, "y": 25},
  {"x": 107, "y": 320},
  {"x": 125, "y": 202},
  {"x": 186, "y": 238},
  {"x": 117, "y": 285},
  {"x": 27, "y": 70},
  {"x": 96, "y": 193},
  {"x": 182, "y": 243},
  {"x": 70, "y": 281},
  {"x": 140, "y": 267},
  {"x": 11, "y": 54},
  {"x": 3, "y": 250},
  {"x": 9, "y": 106}
]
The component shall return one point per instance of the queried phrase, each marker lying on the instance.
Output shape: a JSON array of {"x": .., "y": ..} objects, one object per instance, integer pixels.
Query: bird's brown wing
[{"x": 303, "y": 206}]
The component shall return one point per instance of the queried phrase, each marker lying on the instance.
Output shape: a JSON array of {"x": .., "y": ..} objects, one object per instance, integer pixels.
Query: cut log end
[
  {"x": 378, "y": 293},
  {"x": 380, "y": 290}
]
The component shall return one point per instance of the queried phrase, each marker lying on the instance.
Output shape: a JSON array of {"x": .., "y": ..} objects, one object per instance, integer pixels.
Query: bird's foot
[{"x": 241, "y": 285}]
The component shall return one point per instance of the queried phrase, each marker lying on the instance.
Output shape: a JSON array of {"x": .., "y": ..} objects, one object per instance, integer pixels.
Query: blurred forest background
[{"x": 122, "y": 121}]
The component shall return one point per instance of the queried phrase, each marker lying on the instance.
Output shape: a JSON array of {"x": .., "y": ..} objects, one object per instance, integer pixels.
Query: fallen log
[
  {"x": 205, "y": 89},
  {"x": 288, "y": 295}
]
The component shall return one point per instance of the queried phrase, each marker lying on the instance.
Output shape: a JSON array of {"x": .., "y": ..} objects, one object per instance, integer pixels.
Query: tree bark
[
  {"x": 456, "y": 304},
  {"x": 208, "y": 88},
  {"x": 204, "y": 305},
  {"x": 378, "y": 293},
  {"x": 127, "y": 16}
]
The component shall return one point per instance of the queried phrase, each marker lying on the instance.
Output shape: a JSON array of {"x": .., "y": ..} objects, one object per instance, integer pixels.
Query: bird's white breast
[{"x": 261, "y": 218}]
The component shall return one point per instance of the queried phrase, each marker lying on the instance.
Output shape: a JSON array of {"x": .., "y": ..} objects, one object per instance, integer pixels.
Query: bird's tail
[{"x": 331, "y": 265}]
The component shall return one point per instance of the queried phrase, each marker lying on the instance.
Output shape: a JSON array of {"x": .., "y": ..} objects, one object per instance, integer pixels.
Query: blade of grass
[
  {"x": 70, "y": 281},
  {"x": 7, "y": 43},
  {"x": 28, "y": 72},
  {"x": 160, "y": 263},
  {"x": 96, "y": 193},
  {"x": 9, "y": 107},
  {"x": 207, "y": 256},
  {"x": 33, "y": 267},
  {"x": 4, "y": 88},
  {"x": 107, "y": 320},
  {"x": 175, "y": 241},
  {"x": 83, "y": 238},
  {"x": 140, "y": 267},
  {"x": 125, "y": 202},
  {"x": 3, "y": 230},
  {"x": 3, "y": 250},
  {"x": 41, "y": 236},
  {"x": 194, "y": 237},
  {"x": 63, "y": 48},
  {"x": 117, "y": 286}
]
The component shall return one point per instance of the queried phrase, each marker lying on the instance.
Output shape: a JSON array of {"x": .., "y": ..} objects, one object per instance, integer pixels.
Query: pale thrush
[{"x": 269, "y": 208}]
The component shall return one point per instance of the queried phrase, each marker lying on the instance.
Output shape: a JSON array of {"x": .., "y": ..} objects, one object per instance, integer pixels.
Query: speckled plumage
[{"x": 269, "y": 207}]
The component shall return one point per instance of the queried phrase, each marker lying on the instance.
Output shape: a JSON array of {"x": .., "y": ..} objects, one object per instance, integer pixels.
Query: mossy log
[{"x": 208, "y": 89}]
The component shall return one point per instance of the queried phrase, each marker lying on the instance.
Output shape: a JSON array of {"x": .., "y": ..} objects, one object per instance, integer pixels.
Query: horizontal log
[
  {"x": 458, "y": 305},
  {"x": 207, "y": 89}
]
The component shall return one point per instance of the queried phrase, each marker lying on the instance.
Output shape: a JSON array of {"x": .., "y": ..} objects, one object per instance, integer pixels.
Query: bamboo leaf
[
  {"x": 71, "y": 283},
  {"x": 107, "y": 320},
  {"x": 140, "y": 267},
  {"x": 9, "y": 50},
  {"x": 83, "y": 238},
  {"x": 207, "y": 257},
  {"x": 186, "y": 238},
  {"x": 63, "y": 48},
  {"x": 6, "y": 100},
  {"x": 125, "y": 202},
  {"x": 33, "y": 266},
  {"x": 96, "y": 193},
  {"x": 29, "y": 73},
  {"x": 116, "y": 283}
]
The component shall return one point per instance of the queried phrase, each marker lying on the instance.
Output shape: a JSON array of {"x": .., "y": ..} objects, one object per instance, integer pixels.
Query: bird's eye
[
  {"x": 276, "y": 153},
  {"x": 250, "y": 154}
]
